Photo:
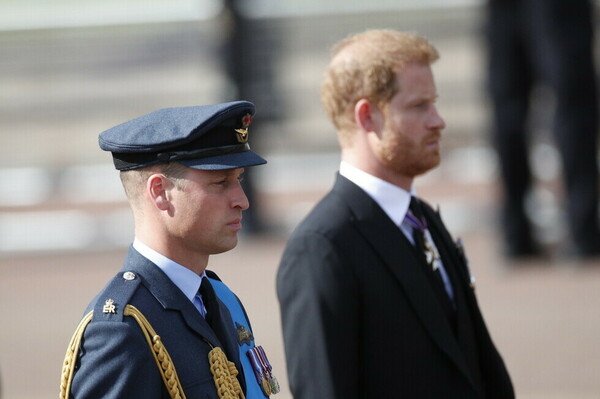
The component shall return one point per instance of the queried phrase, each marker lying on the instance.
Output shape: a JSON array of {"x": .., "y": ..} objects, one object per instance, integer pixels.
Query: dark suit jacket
[
  {"x": 115, "y": 360},
  {"x": 360, "y": 319}
]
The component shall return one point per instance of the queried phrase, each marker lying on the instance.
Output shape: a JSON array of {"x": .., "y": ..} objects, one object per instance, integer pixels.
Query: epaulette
[{"x": 110, "y": 303}]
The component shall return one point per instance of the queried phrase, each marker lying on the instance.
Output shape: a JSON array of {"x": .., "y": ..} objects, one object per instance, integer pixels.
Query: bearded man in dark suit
[{"x": 376, "y": 297}]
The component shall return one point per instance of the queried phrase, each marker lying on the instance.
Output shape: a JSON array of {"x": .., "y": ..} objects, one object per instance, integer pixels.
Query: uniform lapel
[
  {"x": 398, "y": 255},
  {"x": 168, "y": 295},
  {"x": 171, "y": 297}
]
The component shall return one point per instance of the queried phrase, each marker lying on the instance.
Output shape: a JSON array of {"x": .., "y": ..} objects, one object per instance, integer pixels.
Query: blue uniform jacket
[{"x": 115, "y": 360}]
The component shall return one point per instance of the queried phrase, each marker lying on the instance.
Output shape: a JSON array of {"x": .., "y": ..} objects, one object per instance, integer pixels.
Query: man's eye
[{"x": 240, "y": 178}]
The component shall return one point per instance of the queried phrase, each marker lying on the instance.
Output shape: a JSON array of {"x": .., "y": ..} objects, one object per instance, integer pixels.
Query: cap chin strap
[{"x": 224, "y": 372}]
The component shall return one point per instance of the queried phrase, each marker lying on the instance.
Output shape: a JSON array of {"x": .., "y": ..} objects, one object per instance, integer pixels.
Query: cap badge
[
  {"x": 109, "y": 306},
  {"x": 242, "y": 134}
]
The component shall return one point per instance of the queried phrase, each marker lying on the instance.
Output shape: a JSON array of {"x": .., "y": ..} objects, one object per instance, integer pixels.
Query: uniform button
[{"x": 129, "y": 275}]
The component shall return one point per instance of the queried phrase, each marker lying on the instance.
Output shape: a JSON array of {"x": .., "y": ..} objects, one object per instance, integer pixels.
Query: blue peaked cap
[{"x": 207, "y": 137}]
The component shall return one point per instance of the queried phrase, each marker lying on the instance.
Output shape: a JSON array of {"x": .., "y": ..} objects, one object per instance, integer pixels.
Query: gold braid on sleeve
[{"x": 224, "y": 372}]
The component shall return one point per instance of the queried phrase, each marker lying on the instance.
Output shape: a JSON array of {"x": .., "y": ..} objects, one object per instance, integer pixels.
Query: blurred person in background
[
  {"x": 165, "y": 326},
  {"x": 376, "y": 297},
  {"x": 249, "y": 54},
  {"x": 545, "y": 42}
]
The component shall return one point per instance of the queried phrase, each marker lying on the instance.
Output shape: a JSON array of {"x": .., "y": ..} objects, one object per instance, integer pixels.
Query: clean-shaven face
[{"x": 208, "y": 211}]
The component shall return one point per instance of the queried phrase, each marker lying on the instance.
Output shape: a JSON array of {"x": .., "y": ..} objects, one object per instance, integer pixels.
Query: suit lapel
[
  {"x": 399, "y": 257},
  {"x": 461, "y": 283}
]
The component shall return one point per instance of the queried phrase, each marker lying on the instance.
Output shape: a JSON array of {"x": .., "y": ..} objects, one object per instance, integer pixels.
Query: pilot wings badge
[{"x": 242, "y": 134}]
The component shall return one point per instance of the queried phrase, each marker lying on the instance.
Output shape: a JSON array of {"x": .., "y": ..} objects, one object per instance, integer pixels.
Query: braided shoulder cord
[
  {"x": 71, "y": 357},
  {"x": 224, "y": 372},
  {"x": 161, "y": 356}
]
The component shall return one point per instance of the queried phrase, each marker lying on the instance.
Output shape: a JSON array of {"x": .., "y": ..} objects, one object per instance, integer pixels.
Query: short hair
[
  {"x": 365, "y": 65},
  {"x": 134, "y": 181}
]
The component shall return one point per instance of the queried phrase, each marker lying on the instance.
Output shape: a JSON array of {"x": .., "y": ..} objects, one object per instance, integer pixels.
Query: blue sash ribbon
[{"x": 253, "y": 389}]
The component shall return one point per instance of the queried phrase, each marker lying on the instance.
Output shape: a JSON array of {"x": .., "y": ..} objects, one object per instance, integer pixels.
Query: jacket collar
[{"x": 171, "y": 297}]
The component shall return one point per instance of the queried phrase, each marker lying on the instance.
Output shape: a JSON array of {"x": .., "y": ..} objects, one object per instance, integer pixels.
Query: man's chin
[
  {"x": 424, "y": 168},
  {"x": 226, "y": 246}
]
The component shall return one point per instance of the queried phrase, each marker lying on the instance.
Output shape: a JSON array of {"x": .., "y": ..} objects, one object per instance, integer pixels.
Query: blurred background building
[{"x": 71, "y": 69}]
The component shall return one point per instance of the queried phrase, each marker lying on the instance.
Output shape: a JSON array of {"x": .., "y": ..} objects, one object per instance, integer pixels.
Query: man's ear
[
  {"x": 367, "y": 116},
  {"x": 158, "y": 186}
]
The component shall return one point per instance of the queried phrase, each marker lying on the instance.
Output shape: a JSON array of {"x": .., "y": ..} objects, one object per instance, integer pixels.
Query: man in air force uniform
[{"x": 164, "y": 326}]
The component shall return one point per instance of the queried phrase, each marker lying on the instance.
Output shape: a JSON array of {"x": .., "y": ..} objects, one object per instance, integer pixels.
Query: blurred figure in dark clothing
[
  {"x": 548, "y": 42},
  {"x": 249, "y": 53}
]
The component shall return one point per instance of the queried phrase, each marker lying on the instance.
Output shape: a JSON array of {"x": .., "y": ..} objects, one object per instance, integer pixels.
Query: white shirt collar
[
  {"x": 392, "y": 199},
  {"x": 185, "y": 279}
]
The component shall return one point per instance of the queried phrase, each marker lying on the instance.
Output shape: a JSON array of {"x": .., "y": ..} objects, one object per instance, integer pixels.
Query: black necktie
[
  {"x": 208, "y": 296},
  {"x": 213, "y": 316},
  {"x": 219, "y": 324},
  {"x": 435, "y": 276}
]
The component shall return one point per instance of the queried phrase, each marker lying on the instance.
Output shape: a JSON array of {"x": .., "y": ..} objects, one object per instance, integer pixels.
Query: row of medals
[{"x": 262, "y": 367}]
